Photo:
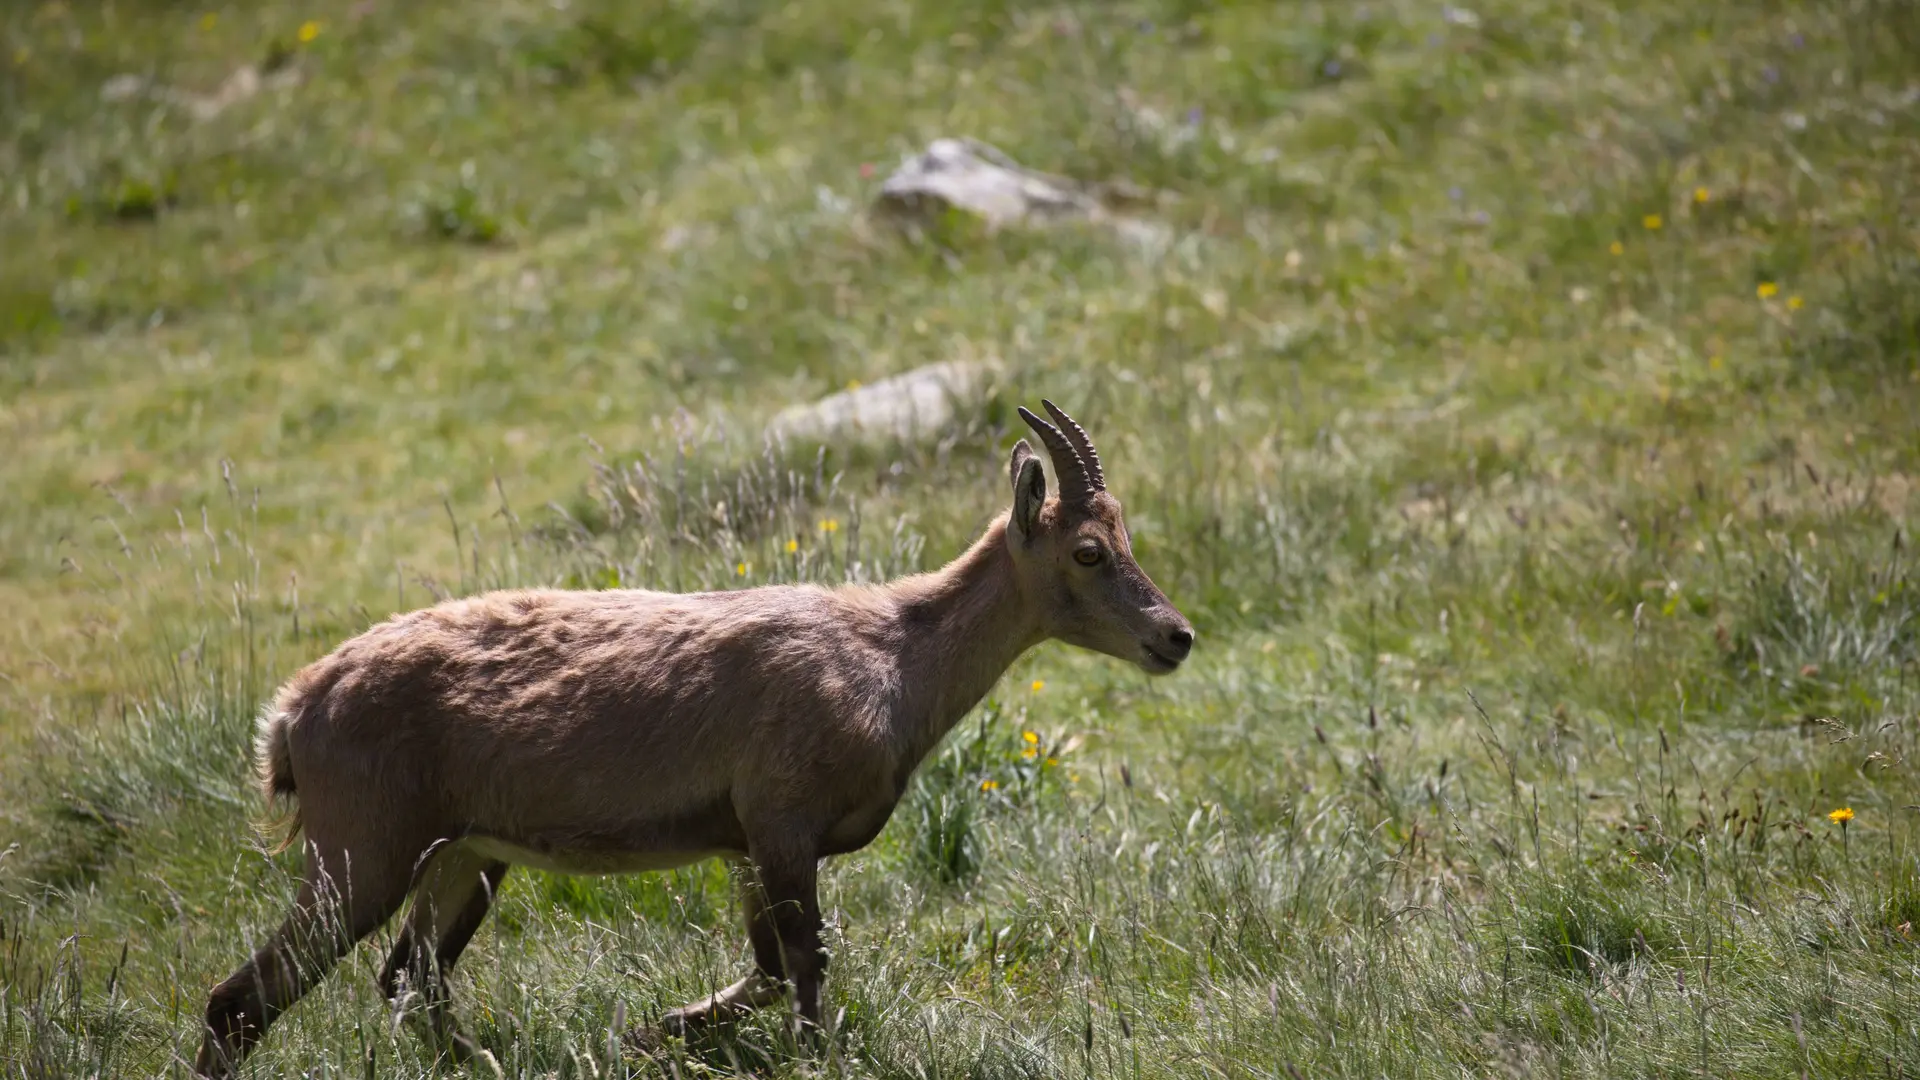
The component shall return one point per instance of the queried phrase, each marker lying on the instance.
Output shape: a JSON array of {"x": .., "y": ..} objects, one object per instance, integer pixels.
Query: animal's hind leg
[
  {"x": 454, "y": 893},
  {"x": 453, "y": 941},
  {"x": 333, "y": 910}
]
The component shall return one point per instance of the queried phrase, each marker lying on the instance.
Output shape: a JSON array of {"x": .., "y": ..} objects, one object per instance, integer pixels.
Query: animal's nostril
[{"x": 1181, "y": 639}]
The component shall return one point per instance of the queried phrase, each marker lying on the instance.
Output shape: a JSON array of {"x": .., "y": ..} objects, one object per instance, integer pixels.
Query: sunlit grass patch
[
  {"x": 1583, "y": 927},
  {"x": 462, "y": 210},
  {"x": 599, "y": 42},
  {"x": 1820, "y": 622},
  {"x": 125, "y": 198}
]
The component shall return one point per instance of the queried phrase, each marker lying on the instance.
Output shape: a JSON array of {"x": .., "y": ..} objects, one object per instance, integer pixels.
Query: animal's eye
[{"x": 1087, "y": 556}]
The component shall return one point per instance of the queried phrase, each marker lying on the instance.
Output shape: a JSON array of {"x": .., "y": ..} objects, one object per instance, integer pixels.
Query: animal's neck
[{"x": 961, "y": 626}]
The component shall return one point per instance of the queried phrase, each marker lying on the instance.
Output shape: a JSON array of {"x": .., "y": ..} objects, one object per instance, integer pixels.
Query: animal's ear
[
  {"x": 1029, "y": 488},
  {"x": 1022, "y": 453}
]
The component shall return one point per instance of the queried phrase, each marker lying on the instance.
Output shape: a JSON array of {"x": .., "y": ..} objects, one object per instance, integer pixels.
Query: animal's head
[{"x": 1075, "y": 557}]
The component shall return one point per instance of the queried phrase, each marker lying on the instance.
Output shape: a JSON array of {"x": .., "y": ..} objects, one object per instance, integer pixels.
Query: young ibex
[{"x": 620, "y": 731}]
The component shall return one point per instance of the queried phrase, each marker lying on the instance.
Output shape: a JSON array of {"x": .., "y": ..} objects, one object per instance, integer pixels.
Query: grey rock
[
  {"x": 976, "y": 178},
  {"x": 910, "y": 405}
]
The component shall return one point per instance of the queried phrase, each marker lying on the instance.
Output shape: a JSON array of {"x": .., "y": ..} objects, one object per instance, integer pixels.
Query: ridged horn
[
  {"x": 1077, "y": 435},
  {"x": 1075, "y": 486}
]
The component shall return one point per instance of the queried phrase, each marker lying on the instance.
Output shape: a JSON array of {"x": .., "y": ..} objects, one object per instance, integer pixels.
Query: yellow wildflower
[
  {"x": 1766, "y": 290},
  {"x": 1652, "y": 222},
  {"x": 1794, "y": 303},
  {"x": 208, "y": 20},
  {"x": 830, "y": 525},
  {"x": 1701, "y": 195},
  {"x": 1841, "y": 816},
  {"x": 1030, "y": 753},
  {"x": 1051, "y": 762},
  {"x": 793, "y": 546},
  {"x": 740, "y": 569},
  {"x": 1039, "y": 685},
  {"x": 989, "y": 785},
  {"x": 1030, "y": 738},
  {"x": 308, "y": 31},
  {"x": 1617, "y": 248}
]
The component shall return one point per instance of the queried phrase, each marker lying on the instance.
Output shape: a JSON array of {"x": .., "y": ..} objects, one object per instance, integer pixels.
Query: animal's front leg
[
  {"x": 766, "y": 985},
  {"x": 737, "y": 1000},
  {"x": 784, "y": 924}
]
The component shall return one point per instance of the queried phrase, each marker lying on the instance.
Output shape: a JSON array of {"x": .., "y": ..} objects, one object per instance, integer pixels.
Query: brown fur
[{"x": 627, "y": 730}]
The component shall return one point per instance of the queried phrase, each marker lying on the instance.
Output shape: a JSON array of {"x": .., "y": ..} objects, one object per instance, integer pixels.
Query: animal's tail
[{"x": 273, "y": 764}]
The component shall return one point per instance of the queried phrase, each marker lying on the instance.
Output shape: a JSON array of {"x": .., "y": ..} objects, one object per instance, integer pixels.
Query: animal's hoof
[
  {"x": 646, "y": 1043},
  {"x": 214, "y": 1062},
  {"x": 463, "y": 1050},
  {"x": 650, "y": 1040},
  {"x": 808, "y": 1037}
]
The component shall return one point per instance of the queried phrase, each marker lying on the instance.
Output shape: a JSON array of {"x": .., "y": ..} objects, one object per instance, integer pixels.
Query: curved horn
[
  {"x": 1076, "y": 435},
  {"x": 1072, "y": 471}
]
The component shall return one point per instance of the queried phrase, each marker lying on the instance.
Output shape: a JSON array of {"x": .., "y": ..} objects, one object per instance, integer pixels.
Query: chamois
[{"x": 630, "y": 730}]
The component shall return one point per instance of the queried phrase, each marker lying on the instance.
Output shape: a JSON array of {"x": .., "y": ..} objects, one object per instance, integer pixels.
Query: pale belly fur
[{"x": 586, "y": 862}]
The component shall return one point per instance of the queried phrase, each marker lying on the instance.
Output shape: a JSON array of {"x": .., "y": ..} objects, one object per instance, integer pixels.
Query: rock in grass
[
  {"x": 965, "y": 174},
  {"x": 242, "y": 84},
  {"x": 123, "y": 87},
  {"x": 910, "y": 405},
  {"x": 977, "y": 179}
]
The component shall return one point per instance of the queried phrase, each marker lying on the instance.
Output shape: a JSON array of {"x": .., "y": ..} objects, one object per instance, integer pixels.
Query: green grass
[{"x": 1549, "y": 594}]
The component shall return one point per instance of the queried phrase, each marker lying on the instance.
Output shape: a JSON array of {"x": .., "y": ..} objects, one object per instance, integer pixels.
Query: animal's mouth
[{"x": 1155, "y": 661}]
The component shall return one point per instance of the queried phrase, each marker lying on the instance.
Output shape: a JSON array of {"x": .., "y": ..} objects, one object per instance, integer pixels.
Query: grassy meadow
[{"x": 1521, "y": 404}]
